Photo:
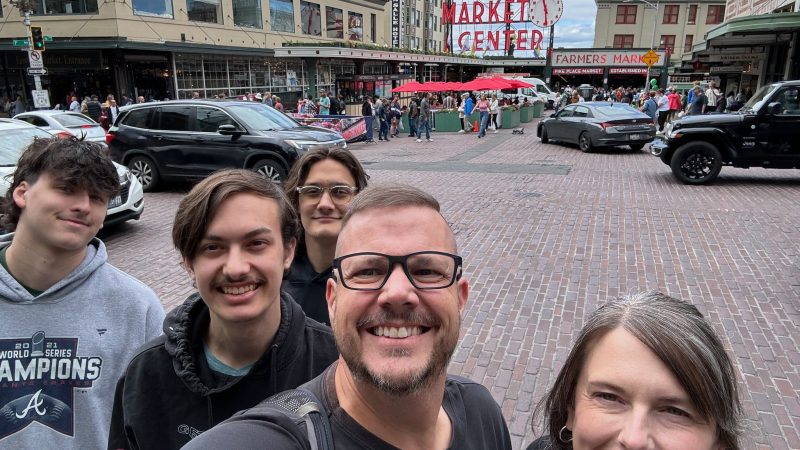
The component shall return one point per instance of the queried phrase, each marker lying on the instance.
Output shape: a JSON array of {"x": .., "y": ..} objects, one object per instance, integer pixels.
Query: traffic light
[{"x": 37, "y": 38}]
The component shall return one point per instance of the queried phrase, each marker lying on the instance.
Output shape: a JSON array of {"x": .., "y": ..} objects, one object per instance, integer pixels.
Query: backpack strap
[{"x": 302, "y": 406}]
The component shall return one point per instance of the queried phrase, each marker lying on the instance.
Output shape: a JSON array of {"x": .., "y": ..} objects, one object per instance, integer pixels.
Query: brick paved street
[{"x": 549, "y": 233}]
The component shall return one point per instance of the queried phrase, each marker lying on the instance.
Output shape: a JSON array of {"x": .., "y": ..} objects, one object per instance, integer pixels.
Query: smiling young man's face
[
  {"x": 397, "y": 338},
  {"x": 58, "y": 215},
  {"x": 240, "y": 262}
]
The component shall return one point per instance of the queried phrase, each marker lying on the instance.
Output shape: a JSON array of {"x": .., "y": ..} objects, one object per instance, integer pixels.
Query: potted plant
[
  {"x": 446, "y": 120},
  {"x": 509, "y": 116}
]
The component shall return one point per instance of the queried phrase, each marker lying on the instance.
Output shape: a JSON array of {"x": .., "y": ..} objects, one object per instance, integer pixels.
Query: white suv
[{"x": 17, "y": 135}]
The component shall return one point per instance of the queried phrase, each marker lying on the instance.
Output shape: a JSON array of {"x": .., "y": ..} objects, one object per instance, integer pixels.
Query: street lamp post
[{"x": 653, "y": 38}]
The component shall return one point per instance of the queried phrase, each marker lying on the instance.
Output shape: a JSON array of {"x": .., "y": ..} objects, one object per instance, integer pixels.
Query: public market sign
[
  {"x": 604, "y": 58},
  {"x": 481, "y": 12}
]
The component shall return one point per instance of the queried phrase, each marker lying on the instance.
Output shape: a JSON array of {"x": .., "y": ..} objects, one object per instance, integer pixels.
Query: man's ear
[
  {"x": 462, "y": 290},
  {"x": 330, "y": 297},
  {"x": 19, "y": 194},
  {"x": 187, "y": 265},
  {"x": 288, "y": 253}
]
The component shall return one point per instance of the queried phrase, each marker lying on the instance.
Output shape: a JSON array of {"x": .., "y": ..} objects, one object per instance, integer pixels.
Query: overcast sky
[{"x": 576, "y": 27}]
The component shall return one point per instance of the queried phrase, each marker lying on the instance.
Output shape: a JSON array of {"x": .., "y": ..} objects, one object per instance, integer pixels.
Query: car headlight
[
  {"x": 302, "y": 145},
  {"x": 125, "y": 177},
  {"x": 310, "y": 145}
]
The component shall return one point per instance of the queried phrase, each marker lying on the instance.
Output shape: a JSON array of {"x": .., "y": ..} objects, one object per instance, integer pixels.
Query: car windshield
[
  {"x": 15, "y": 141},
  {"x": 616, "y": 110},
  {"x": 262, "y": 117},
  {"x": 74, "y": 120},
  {"x": 757, "y": 100}
]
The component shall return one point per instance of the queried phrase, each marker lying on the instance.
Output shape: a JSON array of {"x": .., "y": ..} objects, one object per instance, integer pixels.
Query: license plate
[
  {"x": 635, "y": 137},
  {"x": 114, "y": 202}
]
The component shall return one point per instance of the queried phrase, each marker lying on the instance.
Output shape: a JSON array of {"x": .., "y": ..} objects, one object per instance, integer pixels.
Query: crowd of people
[
  {"x": 386, "y": 113},
  {"x": 663, "y": 105},
  {"x": 325, "y": 314}
]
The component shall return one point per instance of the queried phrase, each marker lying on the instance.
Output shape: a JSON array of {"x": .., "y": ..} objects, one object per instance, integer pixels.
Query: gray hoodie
[{"x": 61, "y": 353}]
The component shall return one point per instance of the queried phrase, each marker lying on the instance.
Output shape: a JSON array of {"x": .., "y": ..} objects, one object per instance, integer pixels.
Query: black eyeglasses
[
  {"x": 340, "y": 193},
  {"x": 368, "y": 271}
]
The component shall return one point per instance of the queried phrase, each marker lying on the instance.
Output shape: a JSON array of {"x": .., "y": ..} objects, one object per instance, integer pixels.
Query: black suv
[
  {"x": 763, "y": 133},
  {"x": 189, "y": 139}
]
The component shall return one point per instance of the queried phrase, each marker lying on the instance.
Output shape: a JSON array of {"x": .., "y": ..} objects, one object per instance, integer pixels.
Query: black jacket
[
  {"x": 95, "y": 110},
  {"x": 307, "y": 287},
  {"x": 168, "y": 394}
]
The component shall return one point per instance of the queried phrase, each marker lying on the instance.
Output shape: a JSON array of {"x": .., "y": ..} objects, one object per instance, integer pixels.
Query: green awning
[{"x": 763, "y": 24}]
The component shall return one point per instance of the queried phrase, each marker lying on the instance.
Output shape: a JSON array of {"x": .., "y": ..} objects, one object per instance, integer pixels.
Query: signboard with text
[
  {"x": 41, "y": 98},
  {"x": 396, "y": 23},
  {"x": 603, "y": 58},
  {"x": 479, "y": 27},
  {"x": 579, "y": 71}
]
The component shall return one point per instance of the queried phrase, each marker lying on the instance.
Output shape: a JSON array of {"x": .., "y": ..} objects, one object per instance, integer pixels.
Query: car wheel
[
  {"x": 544, "y": 137},
  {"x": 585, "y": 142},
  {"x": 696, "y": 163},
  {"x": 636, "y": 147},
  {"x": 146, "y": 171},
  {"x": 269, "y": 169}
]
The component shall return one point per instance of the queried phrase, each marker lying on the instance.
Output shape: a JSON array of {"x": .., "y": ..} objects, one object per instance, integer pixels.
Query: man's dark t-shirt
[
  {"x": 697, "y": 104},
  {"x": 477, "y": 422}
]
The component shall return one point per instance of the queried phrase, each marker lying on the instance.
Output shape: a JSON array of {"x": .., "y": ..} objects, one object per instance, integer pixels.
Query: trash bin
[{"x": 538, "y": 109}]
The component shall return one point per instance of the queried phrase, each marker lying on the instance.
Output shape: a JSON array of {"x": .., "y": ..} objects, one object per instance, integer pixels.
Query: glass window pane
[
  {"x": 334, "y": 20},
  {"x": 159, "y": 8},
  {"x": 208, "y": 119},
  {"x": 355, "y": 26},
  {"x": 310, "y": 18},
  {"x": 64, "y": 7},
  {"x": 204, "y": 10},
  {"x": 175, "y": 118},
  {"x": 73, "y": 120},
  {"x": 247, "y": 13},
  {"x": 281, "y": 15}
]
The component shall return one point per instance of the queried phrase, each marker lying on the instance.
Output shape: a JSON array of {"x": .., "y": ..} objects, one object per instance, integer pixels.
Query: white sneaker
[
  {"x": 460, "y": 131},
  {"x": 429, "y": 140},
  {"x": 419, "y": 140},
  {"x": 495, "y": 131}
]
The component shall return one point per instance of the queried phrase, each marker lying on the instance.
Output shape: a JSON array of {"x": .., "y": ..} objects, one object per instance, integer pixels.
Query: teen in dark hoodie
[{"x": 238, "y": 340}]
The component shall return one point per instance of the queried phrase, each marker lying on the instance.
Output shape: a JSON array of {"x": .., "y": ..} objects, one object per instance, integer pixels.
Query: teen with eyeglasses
[{"x": 321, "y": 186}]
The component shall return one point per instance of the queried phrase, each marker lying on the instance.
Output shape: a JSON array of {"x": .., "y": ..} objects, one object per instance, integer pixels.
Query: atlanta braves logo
[{"x": 38, "y": 376}]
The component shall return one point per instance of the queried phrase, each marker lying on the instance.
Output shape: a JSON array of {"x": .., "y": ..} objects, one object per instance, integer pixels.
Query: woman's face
[{"x": 626, "y": 398}]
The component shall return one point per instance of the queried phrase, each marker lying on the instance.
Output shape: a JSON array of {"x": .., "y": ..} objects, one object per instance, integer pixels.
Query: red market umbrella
[
  {"x": 434, "y": 86},
  {"x": 517, "y": 83},
  {"x": 411, "y": 86},
  {"x": 485, "y": 84}
]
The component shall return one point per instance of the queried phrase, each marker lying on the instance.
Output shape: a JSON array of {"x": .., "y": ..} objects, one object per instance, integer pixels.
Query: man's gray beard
[{"x": 437, "y": 365}]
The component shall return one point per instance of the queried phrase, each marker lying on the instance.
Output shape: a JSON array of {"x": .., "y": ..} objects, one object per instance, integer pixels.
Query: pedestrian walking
[
  {"x": 650, "y": 106},
  {"x": 699, "y": 102},
  {"x": 19, "y": 106},
  {"x": 483, "y": 109},
  {"x": 366, "y": 112},
  {"x": 424, "y": 118},
  {"x": 413, "y": 117},
  {"x": 494, "y": 112},
  {"x": 663, "y": 109}
]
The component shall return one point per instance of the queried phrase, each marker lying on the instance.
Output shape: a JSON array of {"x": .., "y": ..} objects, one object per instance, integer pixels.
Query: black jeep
[{"x": 765, "y": 132}]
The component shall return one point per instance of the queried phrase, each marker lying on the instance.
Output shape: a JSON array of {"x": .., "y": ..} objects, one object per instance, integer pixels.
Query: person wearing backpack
[{"x": 396, "y": 305}]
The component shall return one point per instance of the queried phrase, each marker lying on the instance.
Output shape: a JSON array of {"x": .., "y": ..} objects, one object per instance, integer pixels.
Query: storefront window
[
  {"x": 158, "y": 8},
  {"x": 311, "y": 19},
  {"x": 190, "y": 75},
  {"x": 247, "y": 13},
  {"x": 282, "y": 15},
  {"x": 355, "y": 26},
  {"x": 239, "y": 71},
  {"x": 334, "y": 20},
  {"x": 64, "y": 7},
  {"x": 204, "y": 10},
  {"x": 216, "y": 74}
]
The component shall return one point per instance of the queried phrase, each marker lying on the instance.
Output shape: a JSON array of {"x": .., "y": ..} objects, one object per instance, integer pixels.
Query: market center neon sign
[{"x": 493, "y": 12}]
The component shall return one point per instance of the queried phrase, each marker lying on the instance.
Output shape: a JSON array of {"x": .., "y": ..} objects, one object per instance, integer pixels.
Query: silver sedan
[
  {"x": 598, "y": 124},
  {"x": 64, "y": 123}
]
